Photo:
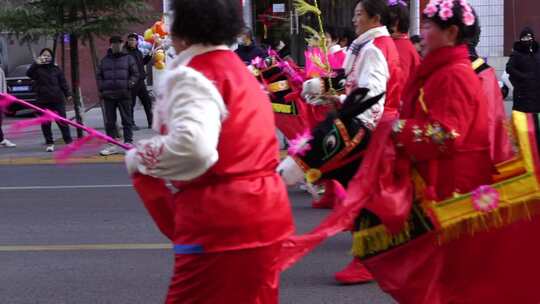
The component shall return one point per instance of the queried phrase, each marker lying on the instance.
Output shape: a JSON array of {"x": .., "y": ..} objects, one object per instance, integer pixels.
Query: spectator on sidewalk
[
  {"x": 139, "y": 90},
  {"x": 524, "y": 70},
  {"x": 117, "y": 75},
  {"x": 3, "y": 89},
  {"x": 247, "y": 47},
  {"x": 52, "y": 93}
]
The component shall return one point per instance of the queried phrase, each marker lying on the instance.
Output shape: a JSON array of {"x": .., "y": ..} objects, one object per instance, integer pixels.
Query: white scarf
[{"x": 359, "y": 43}]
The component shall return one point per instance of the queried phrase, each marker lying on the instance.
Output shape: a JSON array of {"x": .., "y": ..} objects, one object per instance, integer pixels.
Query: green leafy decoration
[{"x": 302, "y": 7}]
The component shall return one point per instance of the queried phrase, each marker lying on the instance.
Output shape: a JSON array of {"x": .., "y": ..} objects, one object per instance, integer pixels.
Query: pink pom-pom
[
  {"x": 300, "y": 145},
  {"x": 485, "y": 199},
  {"x": 259, "y": 63},
  {"x": 272, "y": 53}
]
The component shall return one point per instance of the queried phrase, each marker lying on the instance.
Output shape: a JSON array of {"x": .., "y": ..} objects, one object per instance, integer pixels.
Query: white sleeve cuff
[{"x": 131, "y": 161}]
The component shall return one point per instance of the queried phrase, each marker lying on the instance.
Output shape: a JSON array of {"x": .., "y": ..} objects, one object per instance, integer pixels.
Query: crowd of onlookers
[{"x": 121, "y": 78}]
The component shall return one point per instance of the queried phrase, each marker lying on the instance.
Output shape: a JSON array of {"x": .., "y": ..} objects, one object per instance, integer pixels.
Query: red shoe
[
  {"x": 334, "y": 194},
  {"x": 354, "y": 273}
]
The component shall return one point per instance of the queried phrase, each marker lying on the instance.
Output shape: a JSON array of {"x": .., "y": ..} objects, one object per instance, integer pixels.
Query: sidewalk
[{"x": 31, "y": 144}]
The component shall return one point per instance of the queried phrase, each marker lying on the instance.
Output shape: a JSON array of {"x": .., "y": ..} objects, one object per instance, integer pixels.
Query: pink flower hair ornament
[
  {"x": 397, "y": 2},
  {"x": 445, "y": 10},
  {"x": 485, "y": 199},
  {"x": 259, "y": 63},
  {"x": 300, "y": 145}
]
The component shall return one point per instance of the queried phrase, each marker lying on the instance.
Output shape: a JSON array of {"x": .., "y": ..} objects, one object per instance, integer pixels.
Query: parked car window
[{"x": 19, "y": 71}]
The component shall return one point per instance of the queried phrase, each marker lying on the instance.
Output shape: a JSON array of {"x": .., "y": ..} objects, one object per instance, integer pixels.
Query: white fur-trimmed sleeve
[
  {"x": 195, "y": 111},
  {"x": 373, "y": 73}
]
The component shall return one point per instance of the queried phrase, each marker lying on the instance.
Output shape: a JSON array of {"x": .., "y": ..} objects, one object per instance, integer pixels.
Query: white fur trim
[{"x": 291, "y": 173}]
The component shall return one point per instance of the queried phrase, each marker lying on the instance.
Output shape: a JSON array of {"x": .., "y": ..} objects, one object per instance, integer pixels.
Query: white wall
[{"x": 491, "y": 14}]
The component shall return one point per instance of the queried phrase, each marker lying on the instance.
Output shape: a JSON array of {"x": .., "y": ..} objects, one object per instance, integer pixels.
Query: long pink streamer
[
  {"x": 21, "y": 125},
  {"x": 5, "y": 103},
  {"x": 78, "y": 146},
  {"x": 7, "y": 99}
]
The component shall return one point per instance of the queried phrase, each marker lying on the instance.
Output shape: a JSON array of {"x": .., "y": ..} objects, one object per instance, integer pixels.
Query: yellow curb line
[
  {"x": 89, "y": 247},
  {"x": 52, "y": 161},
  {"x": 74, "y": 161}
]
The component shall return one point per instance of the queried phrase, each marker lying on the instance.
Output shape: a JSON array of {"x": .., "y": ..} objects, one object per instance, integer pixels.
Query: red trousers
[{"x": 232, "y": 277}]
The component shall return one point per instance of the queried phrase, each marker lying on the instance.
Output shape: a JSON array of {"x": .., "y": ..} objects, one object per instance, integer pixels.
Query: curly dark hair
[
  {"x": 211, "y": 22},
  {"x": 466, "y": 33},
  {"x": 399, "y": 14}
]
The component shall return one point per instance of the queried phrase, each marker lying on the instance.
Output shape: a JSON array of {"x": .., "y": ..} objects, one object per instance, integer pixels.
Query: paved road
[{"x": 45, "y": 205}]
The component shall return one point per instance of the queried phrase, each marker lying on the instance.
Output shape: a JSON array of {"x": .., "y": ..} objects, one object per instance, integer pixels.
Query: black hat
[
  {"x": 526, "y": 31},
  {"x": 133, "y": 35},
  {"x": 115, "y": 39}
]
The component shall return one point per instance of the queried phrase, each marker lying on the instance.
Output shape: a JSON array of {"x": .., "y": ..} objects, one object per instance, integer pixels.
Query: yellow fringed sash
[{"x": 519, "y": 193}]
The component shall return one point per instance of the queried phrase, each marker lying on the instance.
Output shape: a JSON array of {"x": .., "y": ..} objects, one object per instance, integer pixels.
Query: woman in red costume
[
  {"x": 217, "y": 146},
  {"x": 446, "y": 93},
  {"x": 399, "y": 29},
  {"x": 501, "y": 148},
  {"x": 372, "y": 62},
  {"x": 449, "y": 255}
]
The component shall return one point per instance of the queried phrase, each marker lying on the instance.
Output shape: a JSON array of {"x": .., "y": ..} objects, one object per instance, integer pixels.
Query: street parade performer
[
  {"x": 501, "y": 147},
  {"x": 399, "y": 28},
  {"x": 217, "y": 146},
  {"x": 444, "y": 225},
  {"x": 373, "y": 63},
  {"x": 470, "y": 233}
]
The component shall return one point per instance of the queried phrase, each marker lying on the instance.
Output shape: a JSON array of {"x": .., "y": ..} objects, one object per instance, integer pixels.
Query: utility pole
[{"x": 75, "y": 79}]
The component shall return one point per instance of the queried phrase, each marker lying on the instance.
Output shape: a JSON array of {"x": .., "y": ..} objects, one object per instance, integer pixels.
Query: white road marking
[{"x": 89, "y": 247}]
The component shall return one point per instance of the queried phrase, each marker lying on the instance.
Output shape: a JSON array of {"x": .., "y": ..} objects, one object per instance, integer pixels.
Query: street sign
[{"x": 278, "y": 8}]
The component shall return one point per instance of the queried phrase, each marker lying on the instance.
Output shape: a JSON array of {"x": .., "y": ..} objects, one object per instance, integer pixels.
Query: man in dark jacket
[
  {"x": 247, "y": 49},
  {"x": 524, "y": 70},
  {"x": 117, "y": 75},
  {"x": 139, "y": 90}
]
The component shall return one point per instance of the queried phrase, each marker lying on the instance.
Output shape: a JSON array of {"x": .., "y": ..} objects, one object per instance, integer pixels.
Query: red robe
[
  {"x": 501, "y": 147},
  {"x": 408, "y": 56},
  {"x": 453, "y": 98},
  {"x": 235, "y": 214}
]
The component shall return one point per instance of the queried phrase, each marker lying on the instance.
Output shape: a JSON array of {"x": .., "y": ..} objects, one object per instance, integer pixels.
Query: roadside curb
[
  {"x": 21, "y": 161},
  {"x": 51, "y": 161}
]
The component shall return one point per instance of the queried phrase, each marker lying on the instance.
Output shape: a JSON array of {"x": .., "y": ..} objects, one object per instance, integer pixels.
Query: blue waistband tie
[{"x": 188, "y": 249}]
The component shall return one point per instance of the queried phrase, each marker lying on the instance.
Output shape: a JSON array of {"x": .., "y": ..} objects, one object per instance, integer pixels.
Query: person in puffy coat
[
  {"x": 3, "y": 89},
  {"x": 524, "y": 70},
  {"x": 117, "y": 74},
  {"x": 52, "y": 93}
]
